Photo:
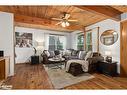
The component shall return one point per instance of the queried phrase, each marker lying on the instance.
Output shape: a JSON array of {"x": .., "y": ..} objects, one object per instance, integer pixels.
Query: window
[
  {"x": 57, "y": 42},
  {"x": 80, "y": 42},
  {"x": 88, "y": 41}
]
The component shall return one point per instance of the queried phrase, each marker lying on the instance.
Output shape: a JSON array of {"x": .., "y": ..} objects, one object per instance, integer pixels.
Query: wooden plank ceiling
[
  {"x": 122, "y": 8},
  {"x": 40, "y": 16}
]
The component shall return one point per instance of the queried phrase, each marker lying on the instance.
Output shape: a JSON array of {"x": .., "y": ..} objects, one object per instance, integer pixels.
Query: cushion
[
  {"x": 61, "y": 52},
  {"x": 82, "y": 54},
  {"x": 47, "y": 52},
  {"x": 96, "y": 54},
  {"x": 88, "y": 55},
  {"x": 56, "y": 52},
  {"x": 74, "y": 53},
  {"x": 52, "y": 54},
  {"x": 67, "y": 53}
]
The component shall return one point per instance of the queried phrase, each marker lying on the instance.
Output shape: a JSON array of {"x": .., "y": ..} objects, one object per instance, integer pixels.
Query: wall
[
  {"x": 73, "y": 39},
  {"x": 7, "y": 37},
  {"x": 23, "y": 54},
  {"x": 115, "y": 48}
]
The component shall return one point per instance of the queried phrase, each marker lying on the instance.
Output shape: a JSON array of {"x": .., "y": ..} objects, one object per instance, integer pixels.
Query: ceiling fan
[{"x": 64, "y": 21}]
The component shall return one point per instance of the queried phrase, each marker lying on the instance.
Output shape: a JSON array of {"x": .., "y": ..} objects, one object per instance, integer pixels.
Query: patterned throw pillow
[
  {"x": 74, "y": 52},
  {"x": 88, "y": 55},
  {"x": 52, "y": 54},
  {"x": 67, "y": 53},
  {"x": 82, "y": 54},
  {"x": 47, "y": 52}
]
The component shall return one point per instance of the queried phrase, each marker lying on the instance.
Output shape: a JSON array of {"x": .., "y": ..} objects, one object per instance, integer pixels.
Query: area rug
[
  {"x": 60, "y": 78},
  {"x": 3, "y": 86}
]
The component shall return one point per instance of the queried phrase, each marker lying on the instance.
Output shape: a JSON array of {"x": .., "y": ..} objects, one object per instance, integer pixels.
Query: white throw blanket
[{"x": 84, "y": 64}]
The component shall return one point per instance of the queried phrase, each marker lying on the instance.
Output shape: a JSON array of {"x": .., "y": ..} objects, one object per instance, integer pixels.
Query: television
[{"x": 1, "y": 53}]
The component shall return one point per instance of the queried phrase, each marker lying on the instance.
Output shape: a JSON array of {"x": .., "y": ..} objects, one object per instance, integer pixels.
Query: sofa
[
  {"x": 68, "y": 54},
  {"x": 76, "y": 68}
]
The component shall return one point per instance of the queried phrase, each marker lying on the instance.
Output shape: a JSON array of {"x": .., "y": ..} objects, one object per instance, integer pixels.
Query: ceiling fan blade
[
  {"x": 57, "y": 19},
  {"x": 58, "y": 23},
  {"x": 72, "y": 20},
  {"x": 67, "y": 16}
]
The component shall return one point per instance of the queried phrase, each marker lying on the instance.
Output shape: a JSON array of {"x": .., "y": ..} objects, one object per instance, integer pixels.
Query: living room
[{"x": 51, "y": 49}]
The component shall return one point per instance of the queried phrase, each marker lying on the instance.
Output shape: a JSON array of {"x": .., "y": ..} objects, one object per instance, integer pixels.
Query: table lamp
[
  {"x": 40, "y": 45},
  {"x": 108, "y": 56}
]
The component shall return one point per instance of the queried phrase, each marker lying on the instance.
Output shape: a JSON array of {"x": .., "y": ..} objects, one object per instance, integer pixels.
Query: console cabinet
[
  {"x": 107, "y": 68},
  {"x": 4, "y": 67},
  {"x": 34, "y": 59}
]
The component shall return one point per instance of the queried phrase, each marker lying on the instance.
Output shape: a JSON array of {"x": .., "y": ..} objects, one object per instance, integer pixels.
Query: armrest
[
  {"x": 95, "y": 59},
  {"x": 90, "y": 60}
]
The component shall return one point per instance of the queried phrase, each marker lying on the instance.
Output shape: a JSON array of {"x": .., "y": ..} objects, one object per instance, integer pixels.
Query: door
[{"x": 123, "y": 49}]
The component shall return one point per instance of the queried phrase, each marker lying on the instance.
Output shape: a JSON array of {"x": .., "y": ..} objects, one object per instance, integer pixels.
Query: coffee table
[{"x": 56, "y": 63}]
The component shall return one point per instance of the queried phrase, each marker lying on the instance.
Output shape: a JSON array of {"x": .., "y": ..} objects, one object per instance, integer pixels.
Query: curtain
[
  {"x": 46, "y": 41},
  {"x": 63, "y": 40}
]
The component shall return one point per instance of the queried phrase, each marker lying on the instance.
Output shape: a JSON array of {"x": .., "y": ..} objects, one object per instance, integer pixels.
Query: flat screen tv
[{"x": 1, "y": 53}]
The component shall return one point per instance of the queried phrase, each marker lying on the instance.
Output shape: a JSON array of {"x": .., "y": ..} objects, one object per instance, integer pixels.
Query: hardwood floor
[{"x": 34, "y": 77}]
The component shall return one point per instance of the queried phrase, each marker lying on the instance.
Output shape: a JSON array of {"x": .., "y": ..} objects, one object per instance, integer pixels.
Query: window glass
[
  {"x": 57, "y": 42},
  {"x": 80, "y": 42},
  {"x": 88, "y": 41}
]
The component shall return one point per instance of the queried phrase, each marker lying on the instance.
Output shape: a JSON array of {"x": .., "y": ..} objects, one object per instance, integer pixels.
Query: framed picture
[
  {"x": 23, "y": 40},
  {"x": 108, "y": 40}
]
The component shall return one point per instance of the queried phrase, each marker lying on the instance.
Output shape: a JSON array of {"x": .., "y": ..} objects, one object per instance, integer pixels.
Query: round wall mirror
[{"x": 109, "y": 37}]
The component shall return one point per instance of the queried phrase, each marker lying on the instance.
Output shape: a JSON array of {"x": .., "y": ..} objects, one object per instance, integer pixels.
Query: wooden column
[
  {"x": 98, "y": 39},
  {"x": 123, "y": 49},
  {"x": 2, "y": 69},
  {"x": 84, "y": 38},
  {"x": 85, "y": 31}
]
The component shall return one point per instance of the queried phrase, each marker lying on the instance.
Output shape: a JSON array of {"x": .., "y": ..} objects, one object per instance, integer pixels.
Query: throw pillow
[
  {"x": 47, "y": 53},
  {"x": 52, "y": 54},
  {"x": 67, "y": 53},
  {"x": 82, "y": 54},
  {"x": 74, "y": 53},
  {"x": 88, "y": 55}
]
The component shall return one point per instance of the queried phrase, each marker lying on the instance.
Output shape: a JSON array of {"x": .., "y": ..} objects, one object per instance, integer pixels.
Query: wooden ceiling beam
[
  {"x": 22, "y": 20},
  {"x": 106, "y": 11}
]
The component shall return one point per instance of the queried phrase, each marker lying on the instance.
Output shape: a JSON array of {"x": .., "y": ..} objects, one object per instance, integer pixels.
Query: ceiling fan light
[
  {"x": 63, "y": 24},
  {"x": 67, "y": 23}
]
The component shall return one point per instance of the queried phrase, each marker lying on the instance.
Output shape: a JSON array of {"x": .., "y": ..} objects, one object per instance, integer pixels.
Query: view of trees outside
[
  {"x": 59, "y": 44},
  {"x": 55, "y": 43},
  {"x": 88, "y": 41},
  {"x": 80, "y": 44}
]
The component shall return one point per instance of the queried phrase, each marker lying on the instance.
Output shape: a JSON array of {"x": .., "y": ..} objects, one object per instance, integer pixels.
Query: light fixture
[
  {"x": 108, "y": 56},
  {"x": 107, "y": 53},
  {"x": 40, "y": 43},
  {"x": 65, "y": 23},
  {"x": 114, "y": 33}
]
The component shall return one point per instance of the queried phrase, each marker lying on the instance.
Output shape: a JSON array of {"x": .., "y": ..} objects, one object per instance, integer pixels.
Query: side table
[{"x": 35, "y": 59}]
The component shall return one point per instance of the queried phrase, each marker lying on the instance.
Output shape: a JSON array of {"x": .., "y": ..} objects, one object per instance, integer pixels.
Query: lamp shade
[
  {"x": 114, "y": 33},
  {"x": 67, "y": 24},
  {"x": 107, "y": 53},
  {"x": 63, "y": 24},
  {"x": 40, "y": 43}
]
